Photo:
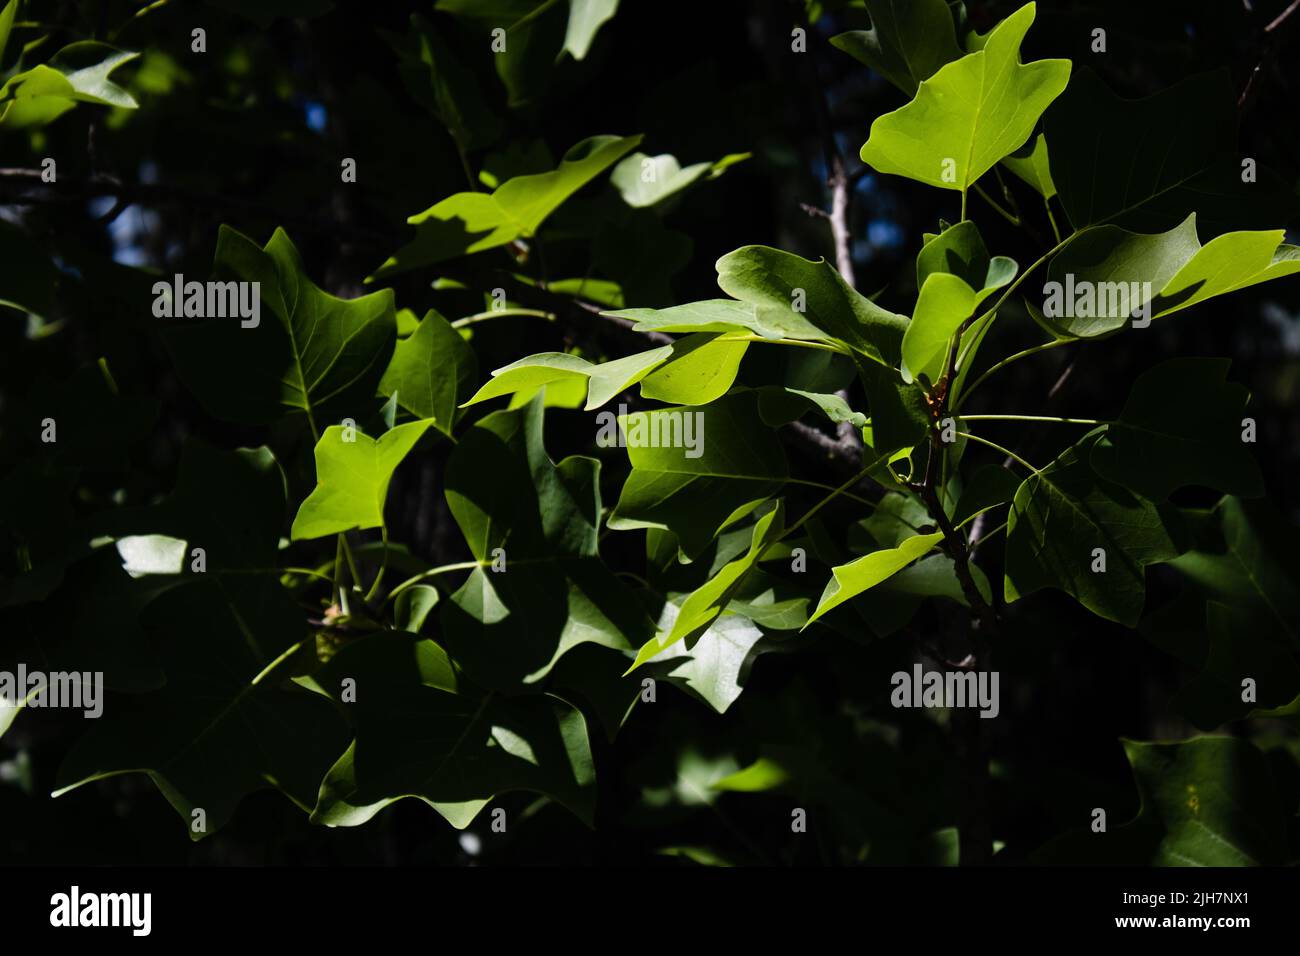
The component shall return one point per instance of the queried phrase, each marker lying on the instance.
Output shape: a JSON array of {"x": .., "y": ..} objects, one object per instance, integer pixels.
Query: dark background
[{"x": 251, "y": 134}]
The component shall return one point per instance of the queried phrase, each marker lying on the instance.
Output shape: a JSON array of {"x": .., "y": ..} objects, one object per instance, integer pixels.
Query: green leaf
[
  {"x": 779, "y": 405},
  {"x": 789, "y": 292},
  {"x": 1063, "y": 514},
  {"x": 419, "y": 735},
  {"x": 1243, "y": 558},
  {"x": 312, "y": 354},
  {"x": 739, "y": 466},
  {"x": 908, "y": 42},
  {"x": 694, "y": 370},
  {"x": 1209, "y": 801},
  {"x": 649, "y": 180},
  {"x": 585, "y": 18},
  {"x": 958, "y": 250},
  {"x": 970, "y": 114},
  {"x": 439, "y": 82},
  {"x": 1032, "y": 165},
  {"x": 431, "y": 372},
  {"x": 1242, "y": 645},
  {"x": 761, "y": 775},
  {"x": 701, "y": 368},
  {"x": 723, "y": 315},
  {"x": 534, "y": 526},
  {"x": 76, "y": 74},
  {"x": 1107, "y": 274},
  {"x": 946, "y": 301},
  {"x": 850, "y": 580},
  {"x": 471, "y": 222},
  {"x": 6, "y": 24},
  {"x": 352, "y": 475},
  {"x": 224, "y": 726},
  {"x": 1145, "y": 164},
  {"x": 900, "y": 414},
  {"x": 1181, "y": 426},
  {"x": 702, "y": 607},
  {"x": 988, "y": 487},
  {"x": 411, "y": 608}
]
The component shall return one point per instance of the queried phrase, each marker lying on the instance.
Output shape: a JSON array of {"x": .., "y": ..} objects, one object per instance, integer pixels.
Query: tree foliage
[{"x": 483, "y": 511}]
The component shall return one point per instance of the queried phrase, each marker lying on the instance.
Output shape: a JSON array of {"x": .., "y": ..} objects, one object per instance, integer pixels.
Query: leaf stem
[
  {"x": 798, "y": 343},
  {"x": 1055, "y": 343},
  {"x": 1033, "y": 418},
  {"x": 1010, "y": 454},
  {"x": 433, "y": 572},
  {"x": 271, "y": 667},
  {"x": 500, "y": 313},
  {"x": 997, "y": 207},
  {"x": 383, "y": 566},
  {"x": 352, "y": 562},
  {"x": 842, "y": 490},
  {"x": 1047, "y": 204}
]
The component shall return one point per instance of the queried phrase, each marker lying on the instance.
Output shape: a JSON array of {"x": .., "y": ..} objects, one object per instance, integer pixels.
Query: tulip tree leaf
[
  {"x": 778, "y": 406},
  {"x": 585, "y": 18},
  {"x": 1242, "y": 645},
  {"x": 352, "y": 475},
  {"x": 1179, "y": 156},
  {"x": 945, "y": 303},
  {"x": 431, "y": 372},
  {"x": 850, "y": 580},
  {"x": 1181, "y": 426},
  {"x": 1243, "y": 558},
  {"x": 702, "y": 607},
  {"x": 717, "y": 664},
  {"x": 310, "y": 353},
  {"x": 439, "y": 82},
  {"x": 793, "y": 293},
  {"x": 1065, "y": 520},
  {"x": 225, "y": 725},
  {"x": 533, "y": 526},
  {"x": 700, "y": 369},
  {"x": 76, "y": 74},
  {"x": 419, "y": 734},
  {"x": 1209, "y": 801},
  {"x": 694, "y": 370},
  {"x": 1106, "y": 274},
  {"x": 712, "y": 315},
  {"x": 471, "y": 222},
  {"x": 1032, "y": 165},
  {"x": 649, "y": 180},
  {"x": 970, "y": 114},
  {"x": 908, "y": 42},
  {"x": 739, "y": 466}
]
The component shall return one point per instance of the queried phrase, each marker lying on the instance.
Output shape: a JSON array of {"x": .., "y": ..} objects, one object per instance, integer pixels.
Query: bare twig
[{"x": 1281, "y": 17}]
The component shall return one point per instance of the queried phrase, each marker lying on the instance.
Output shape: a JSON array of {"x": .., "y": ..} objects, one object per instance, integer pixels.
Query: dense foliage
[{"x": 573, "y": 511}]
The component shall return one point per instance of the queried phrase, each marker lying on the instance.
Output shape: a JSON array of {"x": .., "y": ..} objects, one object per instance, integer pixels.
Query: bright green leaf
[
  {"x": 970, "y": 114},
  {"x": 850, "y": 580},
  {"x": 352, "y": 475},
  {"x": 471, "y": 222}
]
